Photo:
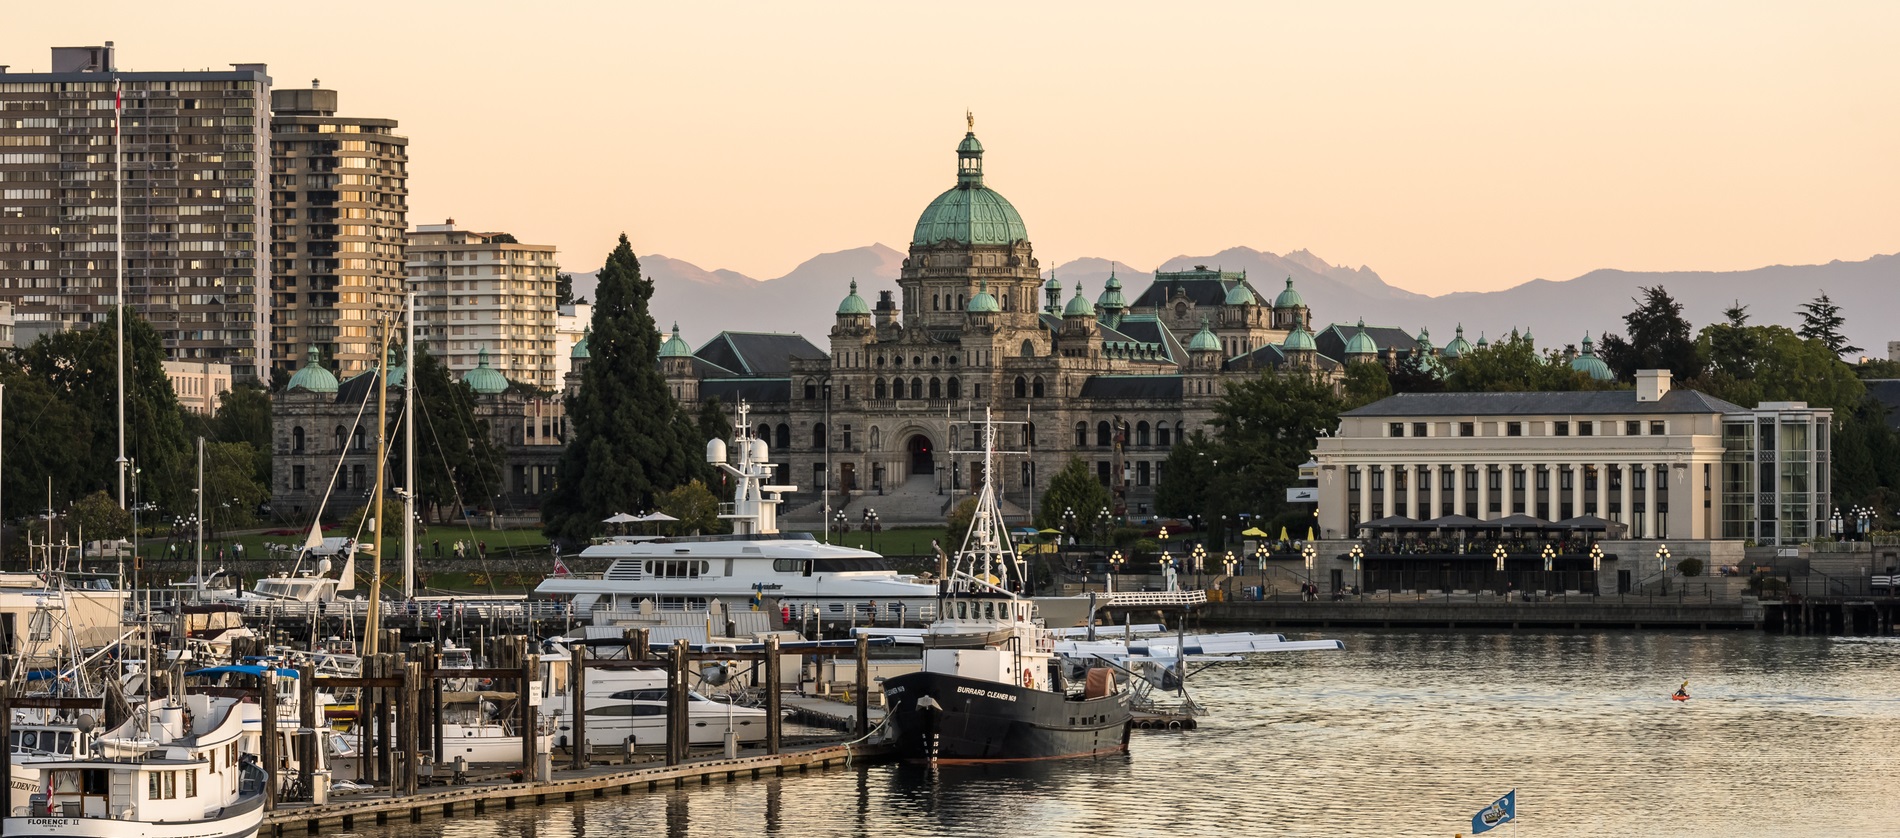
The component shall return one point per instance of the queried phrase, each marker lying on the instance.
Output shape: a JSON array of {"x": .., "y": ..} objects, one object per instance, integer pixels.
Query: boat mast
[
  {"x": 409, "y": 452},
  {"x": 201, "y": 519},
  {"x": 372, "y": 623},
  {"x": 118, "y": 250}
]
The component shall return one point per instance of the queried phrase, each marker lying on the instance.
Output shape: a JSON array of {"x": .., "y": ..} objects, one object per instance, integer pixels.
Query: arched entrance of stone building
[{"x": 922, "y": 460}]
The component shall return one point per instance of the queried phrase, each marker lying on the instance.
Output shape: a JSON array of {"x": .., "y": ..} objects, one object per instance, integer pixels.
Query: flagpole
[{"x": 118, "y": 228}]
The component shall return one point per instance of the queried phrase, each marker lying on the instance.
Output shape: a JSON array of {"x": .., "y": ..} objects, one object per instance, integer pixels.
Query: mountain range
[{"x": 704, "y": 302}]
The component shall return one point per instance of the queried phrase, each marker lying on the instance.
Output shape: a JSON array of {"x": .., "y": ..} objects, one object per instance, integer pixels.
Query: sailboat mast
[
  {"x": 409, "y": 453},
  {"x": 372, "y": 625},
  {"x": 201, "y": 519},
  {"x": 118, "y": 250}
]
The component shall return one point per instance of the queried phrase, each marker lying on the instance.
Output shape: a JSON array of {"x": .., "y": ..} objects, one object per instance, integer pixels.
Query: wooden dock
[
  {"x": 289, "y": 818},
  {"x": 829, "y": 713}
]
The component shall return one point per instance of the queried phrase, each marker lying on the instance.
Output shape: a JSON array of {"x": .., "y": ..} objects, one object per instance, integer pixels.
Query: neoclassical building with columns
[{"x": 1665, "y": 463}]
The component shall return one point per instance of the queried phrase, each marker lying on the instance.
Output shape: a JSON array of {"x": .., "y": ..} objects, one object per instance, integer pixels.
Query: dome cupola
[
  {"x": 1078, "y": 305},
  {"x": 1299, "y": 340},
  {"x": 580, "y": 346},
  {"x": 1589, "y": 364},
  {"x": 1361, "y": 347},
  {"x": 1241, "y": 295},
  {"x": 984, "y": 302},
  {"x": 1204, "y": 340},
  {"x": 484, "y": 379},
  {"x": 1458, "y": 345},
  {"x": 312, "y": 377},
  {"x": 852, "y": 303},
  {"x": 1288, "y": 298},
  {"x": 674, "y": 347},
  {"x": 969, "y": 213}
]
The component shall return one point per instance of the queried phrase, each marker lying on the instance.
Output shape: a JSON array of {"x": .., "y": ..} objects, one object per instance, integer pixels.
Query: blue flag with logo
[{"x": 1500, "y": 812}]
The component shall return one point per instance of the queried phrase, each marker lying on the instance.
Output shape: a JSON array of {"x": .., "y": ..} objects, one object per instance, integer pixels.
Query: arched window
[
  {"x": 765, "y": 432},
  {"x": 818, "y": 435},
  {"x": 1102, "y": 434},
  {"x": 1180, "y": 432},
  {"x": 877, "y": 389},
  {"x": 784, "y": 436},
  {"x": 936, "y": 387},
  {"x": 916, "y": 388},
  {"x": 339, "y": 437},
  {"x": 1029, "y": 434},
  {"x": 1028, "y": 350},
  {"x": 933, "y": 303},
  {"x": 1029, "y": 473},
  {"x": 1081, "y": 434},
  {"x": 953, "y": 388},
  {"x": 897, "y": 388},
  {"x": 1161, "y": 434},
  {"x": 811, "y": 389},
  {"x": 1022, "y": 387},
  {"x": 1141, "y": 433},
  {"x": 1035, "y": 387},
  {"x": 960, "y": 303},
  {"x": 296, "y": 440}
]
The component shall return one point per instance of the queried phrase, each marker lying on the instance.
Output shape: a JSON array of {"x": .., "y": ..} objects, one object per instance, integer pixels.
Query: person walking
[{"x": 437, "y": 544}]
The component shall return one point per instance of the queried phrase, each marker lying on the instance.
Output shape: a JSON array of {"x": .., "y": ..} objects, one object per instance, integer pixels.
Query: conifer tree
[
  {"x": 1821, "y": 320},
  {"x": 630, "y": 440}
]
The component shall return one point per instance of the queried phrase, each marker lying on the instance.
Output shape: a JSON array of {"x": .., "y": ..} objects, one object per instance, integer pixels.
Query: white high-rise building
[{"x": 484, "y": 297}]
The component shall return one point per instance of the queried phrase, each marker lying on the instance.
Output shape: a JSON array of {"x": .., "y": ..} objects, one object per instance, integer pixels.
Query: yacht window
[
  {"x": 961, "y": 610},
  {"x": 29, "y": 739},
  {"x": 65, "y": 743},
  {"x": 989, "y": 610},
  {"x": 191, "y": 783},
  {"x": 640, "y": 695}
]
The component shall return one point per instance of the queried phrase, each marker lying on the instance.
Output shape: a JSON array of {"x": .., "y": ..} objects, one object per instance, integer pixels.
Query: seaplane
[{"x": 1156, "y": 664}]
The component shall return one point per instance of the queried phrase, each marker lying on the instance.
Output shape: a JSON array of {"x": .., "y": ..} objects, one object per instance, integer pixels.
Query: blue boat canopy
[{"x": 239, "y": 670}]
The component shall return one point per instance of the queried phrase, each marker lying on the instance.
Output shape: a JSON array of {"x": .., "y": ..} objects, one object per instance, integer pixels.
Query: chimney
[{"x": 1651, "y": 385}]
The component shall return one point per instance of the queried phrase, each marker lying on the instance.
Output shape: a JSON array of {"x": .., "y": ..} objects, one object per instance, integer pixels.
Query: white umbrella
[
  {"x": 657, "y": 516},
  {"x": 622, "y": 518}
]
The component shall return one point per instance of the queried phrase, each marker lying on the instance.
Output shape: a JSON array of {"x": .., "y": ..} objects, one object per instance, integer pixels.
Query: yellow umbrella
[
  {"x": 1253, "y": 532},
  {"x": 1309, "y": 533},
  {"x": 1283, "y": 533}
]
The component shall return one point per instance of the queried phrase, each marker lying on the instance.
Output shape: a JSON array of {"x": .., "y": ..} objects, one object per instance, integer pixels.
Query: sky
[{"x": 1452, "y": 146}]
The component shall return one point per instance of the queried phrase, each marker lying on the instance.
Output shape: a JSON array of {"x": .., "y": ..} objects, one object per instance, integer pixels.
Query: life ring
[{"x": 1028, "y": 678}]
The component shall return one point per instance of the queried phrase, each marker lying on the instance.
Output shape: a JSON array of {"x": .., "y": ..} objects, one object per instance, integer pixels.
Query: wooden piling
[
  {"x": 577, "y": 699},
  {"x": 864, "y": 685},
  {"x": 774, "y": 717}
]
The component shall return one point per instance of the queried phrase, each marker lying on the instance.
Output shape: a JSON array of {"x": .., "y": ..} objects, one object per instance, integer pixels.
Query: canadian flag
[{"x": 560, "y": 567}]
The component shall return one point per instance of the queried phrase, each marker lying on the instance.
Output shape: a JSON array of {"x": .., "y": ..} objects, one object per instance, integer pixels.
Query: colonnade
[{"x": 1640, "y": 490}]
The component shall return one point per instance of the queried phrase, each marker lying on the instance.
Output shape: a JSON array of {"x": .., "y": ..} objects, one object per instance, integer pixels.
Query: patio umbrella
[
  {"x": 656, "y": 516},
  {"x": 1309, "y": 533},
  {"x": 1459, "y": 522},
  {"x": 1390, "y": 522},
  {"x": 1283, "y": 534},
  {"x": 1253, "y": 532},
  {"x": 621, "y": 518},
  {"x": 1520, "y": 521}
]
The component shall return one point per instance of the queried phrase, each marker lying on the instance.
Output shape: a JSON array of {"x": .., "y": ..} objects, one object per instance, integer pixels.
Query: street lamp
[
  {"x": 1200, "y": 561},
  {"x": 843, "y": 526},
  {"x": 1103, "y": 526},
  {"x": 870, "y": 526},
  {"x": 1114, "y": 567},
  {"x": 1357, "y": 552},
  {"x": 1230, "y": 562},
  {"x": 1310, "y": 555},
  {"x": 1662, "y": 565}
]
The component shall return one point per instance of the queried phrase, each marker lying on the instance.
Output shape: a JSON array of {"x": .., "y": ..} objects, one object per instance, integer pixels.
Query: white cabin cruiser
[{"x": 686, "y": 573}]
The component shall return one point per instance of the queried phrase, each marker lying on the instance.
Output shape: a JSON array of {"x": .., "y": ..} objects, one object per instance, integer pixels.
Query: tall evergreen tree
[
  {"x": 1821, "y": 320},
  {"x": 1072, "y": 488},
  {"x": 1659, "y": 338},
  {"x": 631, "y": 441}
]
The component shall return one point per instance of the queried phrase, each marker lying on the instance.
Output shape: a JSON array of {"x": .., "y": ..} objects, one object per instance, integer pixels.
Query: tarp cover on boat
[{"x": 239, "y": 670}]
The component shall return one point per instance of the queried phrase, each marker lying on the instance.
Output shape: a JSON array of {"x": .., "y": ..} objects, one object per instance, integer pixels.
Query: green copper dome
[
  {"x": 1458, "y": 345},
  {"x": 1112, "y": 294},
  {"x": 1299, "y": 340},
  {"x": 1204, "y": 340},
  {"x": 313, "y": 377},
  {"x": 969, "y": 213},
  {"x": 1589, "y": 364},
  {"x": 984, "y": 302},
  {"x": 580, "y": 346},
  {"x": 1078, "y": 305},
  {"x": 397, "y": 372},
  {"x": 1360, "y": 344},
  {"x": 1241, "y": 295},
  {"x": 1288, "y": 298},
  {"x": 484, "y": 379},
  {"x": 1482, "y": 343},
  {"x": 674, "y": 347},
  {"x": 854, "y": 304}
]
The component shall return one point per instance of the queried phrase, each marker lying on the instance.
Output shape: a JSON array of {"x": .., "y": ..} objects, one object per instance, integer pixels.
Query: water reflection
[{"x": 1406, "y": 733}]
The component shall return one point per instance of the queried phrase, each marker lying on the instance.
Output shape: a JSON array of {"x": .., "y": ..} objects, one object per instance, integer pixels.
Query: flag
[
  {"x": 560, "y": 567},
  {"x": 118, "y": 96},
  {"x": 1501, "y": 811}
]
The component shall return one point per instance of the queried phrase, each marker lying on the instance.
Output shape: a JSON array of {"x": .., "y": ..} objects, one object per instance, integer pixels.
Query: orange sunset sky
[{"x": 1450, "y": 146}]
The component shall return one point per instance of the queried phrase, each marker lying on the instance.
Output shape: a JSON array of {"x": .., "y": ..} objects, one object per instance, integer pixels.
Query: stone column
[
  {"x": 1365, "y": 498},
  {"x": 1411, "y": 491},
  {"x": 1603, "y": 490},
  {"x": 1506, "y": 472},
  {"x": 1556, "y": 473},
  {"x": 1649, "y": 501},
  {"x": 1626, "y": 517},
  {"x": 1391, "y": 478},
  {"x": 1577, "y": 481},
  {"x": 1484, "y": 489},
  {"x": 1458, "y": 488},
  {"x": 1437, "y": 492}
]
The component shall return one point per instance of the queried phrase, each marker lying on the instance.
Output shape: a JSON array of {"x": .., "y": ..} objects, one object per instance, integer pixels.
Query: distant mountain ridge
[{"x": 804, "y": 300}]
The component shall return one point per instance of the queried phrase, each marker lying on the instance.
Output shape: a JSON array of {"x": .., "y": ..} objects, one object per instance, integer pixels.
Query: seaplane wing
[
  {"x": 1216, "y": 644},
  {"x": 1083, "y": 631}
]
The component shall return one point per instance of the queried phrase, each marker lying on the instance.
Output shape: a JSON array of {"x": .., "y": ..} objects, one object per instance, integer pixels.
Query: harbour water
[{"x": 1405, "y": 733}]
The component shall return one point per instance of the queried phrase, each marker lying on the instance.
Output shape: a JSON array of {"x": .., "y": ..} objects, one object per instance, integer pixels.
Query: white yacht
[
  {"x": 629, "y": 705},
  {"x": 827, "y": 582}
]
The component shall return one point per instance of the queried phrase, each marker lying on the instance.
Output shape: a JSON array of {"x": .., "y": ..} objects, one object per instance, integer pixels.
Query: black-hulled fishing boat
[{"x": 990, "y": 689}]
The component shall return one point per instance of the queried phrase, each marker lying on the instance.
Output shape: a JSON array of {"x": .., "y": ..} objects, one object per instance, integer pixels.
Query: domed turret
[
  {"x": 1427, "y": 358},
  {"x": 984, "y": 302},
  {"x": 484, "y": 379},
  {"x": 580, "y": 346},
  {"x": 1078, "y": 305},
  {"x": 312, "y": 377},
  {"x": 1288, "y": 298},
  {"x": 969, "y": 213},
  {"x": 397, "y": 372},
  {"x": 1299, "y": 340},
  {"x": 1241, "y": 295},
  {"x": 1052, "y": 291},
  {"x": 852, "y": 303},
  {"x": 1112, "y": 295},
  {"x": 1589, "y": 364},
  {"x": 1361, "y": 347},
  {"x": 1204, "y": 340},
  {"x": 1458, "y": 345},
  {"x": 676, "y": 348},
  {"x": 1482, "y": 343}
]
